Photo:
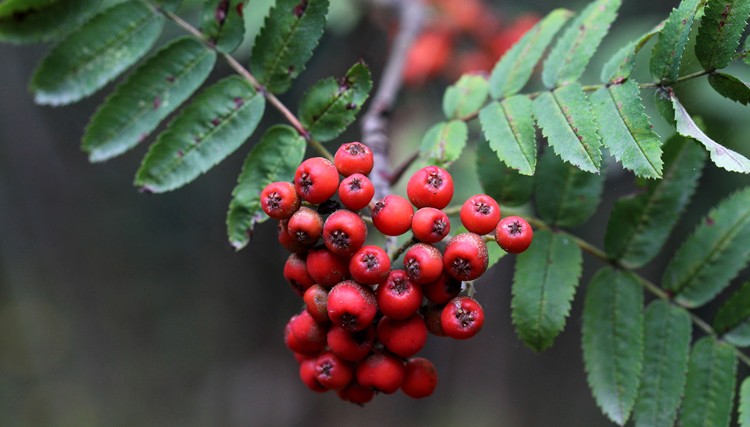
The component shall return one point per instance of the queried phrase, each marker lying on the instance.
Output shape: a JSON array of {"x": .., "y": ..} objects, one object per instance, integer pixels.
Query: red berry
[
  {"x": 462, "y": 318},
  {"x": 285, "y": 240},
  {"x": 514, "y": 234},
  {"x": 381, "y": 371},
  {"x": 356, "y": 393},
  {"x": 333, "y": 372},
  {"x": 356, "y": 191},
  {"x": 316, "y": 298},
  {"x": 430, "y": 225},
  {"x": 480, "y": 214},
  {"x": 344, "y": 232},
  {"x": 442, "y": 290},
  {"x": 351, "y": 346},
  {"x": 392, "y": 215},
  {"x": 304, "y": 335},
  {"x": 398, "y": 297},
  {"x": 423, "y": 263},
  {"x": 370, "y": 265},
  {"x": 353, "y": 157},
  {"x": 327, "y": 268},
  {"x": 295, "y": 272},
  {"x": 465, "y": 257},
  {"x": 316, "y": 180},
  {"x": 308, "y": 375},
  {"x": 403, "y": 337},
  {"x": 279, "y": 200},
  {"x": 431, "y": 186},
  {"x": 305, "y": 226},
  {"x": 351, "y": 305},
  {"x": 420, "y": 379},
  {"x": 431, "y": 313}
]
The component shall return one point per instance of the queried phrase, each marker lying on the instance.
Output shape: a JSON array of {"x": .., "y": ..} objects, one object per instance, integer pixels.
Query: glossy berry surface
[
  {"x": 421, "y": 378},
  {"x": 305, "y": 226},
  {"x": 398, "y": 297},
  {"x": 392, "y": 216},
  {"x": 431, "y": 186},
  {"x": 430, "y": 225},
  {"x": 295, "y": 272},
  {"x": 332, "y": 372},
  {"x": 423, "y": 263},
  {"x": 462, "y": 318},
  {"x": 351, "y": 306},
  {"x": 326, "y": 268},
  {"x": 514, "y": 234},
  {"x": 286, "y": 240},
  {"x": 316, "y": 298},
  {"x": 353, "y": 157},
  {"x": 356, "y": 191},
  {"x": 308, "y": 375},
  {"x": 442, "y": 290},
  {"x": 381, "y": 371},
  {"x": 316, "y": 180},
  {"x": 465, "y": 257},
  {"x": 279, "y": 200},
  {"x": 403, "y": 337},
  {"x": 480, "y": 214},
  {"x": 304, "y": 335},
  {"x": 351, "y": 346},
  {"x": 344, "y": 232},
  {"x": 370, "y": 265}
]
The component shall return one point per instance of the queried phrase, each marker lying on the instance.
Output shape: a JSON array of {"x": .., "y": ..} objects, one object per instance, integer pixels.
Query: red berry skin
[
  {"x": 279, "y": 200},
  {"x": 431, "y": 186},
  {"x": 353, "y": 157},
  {"x": 316, "y": 298},
  {"x": 480, "y": 214},
  {"x": 462, "y": 318},
  {"x": 381, "y": 371},
  {"x": 356, "y": 191},
  {"x": 423, "y": 263},
  {"x": 514, "y": 234},
  {"x": 305, "y": 226},
  {"x": 421, "y": 378},
  {"x": 351, "y": 306},
  {"x": 332, "y": 372},
  {"x": 344, "y": 232},
  {"x": 351, "y": 346},
  {"x": 327, "y": 268},
  {"x": 308, "y": 375},
  {"x": 316, "y": 180},
  {"x": 403, "y": 337},
  {"x": 465, "y": 257},
  {"x": 392, "y": 216},
  {"x": 442, "y": 290},
  {"x": 370, "y": 265},
  {"x": 398, "y": 298},
  {"x": 432, "y": 313},
  {"x": 285, "y": 240},
  {"x": 430, "y": 225},
  {"x": 295, "y": 272},
  {"x": 304, "y": 335},
  {"x": 356, "y": 393}
]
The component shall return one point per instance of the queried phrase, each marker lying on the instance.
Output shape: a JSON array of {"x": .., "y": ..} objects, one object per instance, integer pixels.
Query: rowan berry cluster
[{"x": 364, "y": 321}]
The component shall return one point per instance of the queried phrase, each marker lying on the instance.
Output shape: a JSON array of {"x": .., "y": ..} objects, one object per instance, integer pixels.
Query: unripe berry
[
  {"x": 295, "y": 272},
  {"x": 514, "y": 234},
  {"x": 431, "y": 186},
  {"x": 305, "y": 226},
  {"x": 353, "y": 157},
  {"x": 304, "y": 335},
  {"x": 465, "y": 257},
  {"x": 333, "y": 372},
  {"x": 344, "y": 232},
  {"x": 420, "y": 379},
  {"x": 423, "y": 263},
  {"x": 351, "y": 305},
  {"x": 398, "y": 297},
  {"x": 279, "y": 200},
  {"x": 370, "y": 265},
  {"x": 462, "y": 318},
  {"x": 326, "y": 268},
  {"x": 442, "y": 290},
  {"x": 480, "y": 214},
  {"x": 308, "y": 375},
  {"x": 392, "y": 216},
  {"x": 356, "y": 393},
  {"x": 381, "y": 371},
  {"x": 403, "y": 337},
  {"x": 356, "y": 191},
  {"x": 316, "y": 298},
  {"x": 430, "y": 225},
  {"x": 351, "y": 346},
  {"x": 316, "y": 180}
]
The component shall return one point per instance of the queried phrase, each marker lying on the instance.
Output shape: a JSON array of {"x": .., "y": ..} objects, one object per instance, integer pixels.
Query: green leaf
[
  {"x": 667, "y": 333},
  {"x": 730, "y": 87},
  {"x": 719, "y": 35},
  {"x": 573, "y": 51},
  {"x": 153, "y": 91},
  {"x": 744, "y": 407},
  {"x": 274, "y": 158},
  {"x": 663, "y": 104},
  {"x": 576, "y": 194},
  {"x": 544, "y": 284},
  {"x": 709, "y": 393},
  {"x": 9, "y": 7},
  {"x": 568, "y": 123},
  {"x": 613, "y": 341},
  {"x": 212, "y": 127},
  {"x": 494, "y": 252},
  {"x": 286, "y": 41},
  {"x": 95, "y": 54},
  {"x": 223, "y": 24},
  {"x": 621, "y": 64},
  {"x": 444, "y": 142},
  {"x": 639, "y": 225},
  {"x": 331, "y": 105},
  {"x": 667, "y": 53},
  {"x": 720, "y": 155},
  {"x": 713, "y": 255},
  {"x": 516, "y": 66},
  {"x": 626, "y": 128},
  {"x": 733, "y": 318},
  {"x": 500, "y": 182},
  {"x": 509, "y": 127},
  {"x": 465, "y": 97},
  {"x": 47, "y": 22}
]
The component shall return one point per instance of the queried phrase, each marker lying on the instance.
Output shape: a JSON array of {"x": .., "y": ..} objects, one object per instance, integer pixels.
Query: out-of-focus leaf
[
  {"x": 730, "y": 87},
  {"x": 444, "y": 142},
  {"x": 465, "y": 97},
  {"x": 500, "y": 182},
  {"x": 47, "y": 22},
  {"x": 732, "y": 322}
]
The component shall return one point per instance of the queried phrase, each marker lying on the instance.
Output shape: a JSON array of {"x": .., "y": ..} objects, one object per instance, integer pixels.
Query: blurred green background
[{"x": 125, "y": 309}]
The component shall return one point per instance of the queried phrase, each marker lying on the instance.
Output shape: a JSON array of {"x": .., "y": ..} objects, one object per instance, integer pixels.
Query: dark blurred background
[{"x": 125, "y": 309}]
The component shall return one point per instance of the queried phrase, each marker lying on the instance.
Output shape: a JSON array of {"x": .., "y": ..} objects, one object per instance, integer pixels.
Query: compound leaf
[
  {"x": 465, "y": 97},
  {"x": 444, "y": 142},
  {"x": 500, "y": 182},
  {"x": 732, "y": 320},
  {"x": 212, "y": 127},
  {"x": 223, "y": 24},
  {"x": 673, "y": 37},
  {"x": 509, "y": 127},
  {"x": 47, "y": 22},
  {"x": 719, "y": 35}
]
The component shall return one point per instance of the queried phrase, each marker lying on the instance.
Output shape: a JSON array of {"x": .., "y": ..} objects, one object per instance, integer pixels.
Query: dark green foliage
[
  {"x": 47, "y": 22},
  {"x": 732, "y": 320},
  {"x": 508, "y": 125},
  {"x": 730, "y": 87},
  {"x": 444, "y": 142},
  {"x": 9, "y": 7},
  {"x": 223, "y": 24},
  {"x": 666, "y": 56},
  {"x": 500, "y": 182},
  {"x": 744, "y": 406},
  {"x": 719, "y": 34}
]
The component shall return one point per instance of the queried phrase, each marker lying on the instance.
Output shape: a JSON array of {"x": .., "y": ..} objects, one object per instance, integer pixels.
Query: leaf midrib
[
  {"x": 630, "y": 131},
  {"x": 516, "y": 135},
  {"x": 571, "y": 126}
]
